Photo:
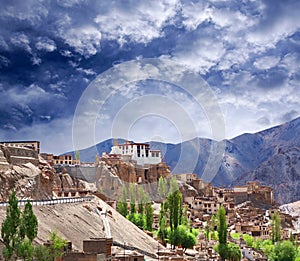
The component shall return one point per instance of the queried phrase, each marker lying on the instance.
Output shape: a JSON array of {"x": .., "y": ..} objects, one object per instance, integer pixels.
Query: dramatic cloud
[{"x": 50, "y": 51}]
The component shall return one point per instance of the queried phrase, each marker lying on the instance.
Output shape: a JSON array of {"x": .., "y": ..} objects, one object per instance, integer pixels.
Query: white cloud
[
  {"x": 266, "y": 62},
  {"x": 195, "y": 13},
  {"x": 30, "y": 11},
  {"x": 36, "y": 60},
  {"x": 141, "y": 23},
  {"x": 280, "y": 20},
  {"x": 45, "y": 44},
  {"x": 202, "y": 53},
  {"x": 85, "y": 39},
  {"x": 21, "y": 40}
]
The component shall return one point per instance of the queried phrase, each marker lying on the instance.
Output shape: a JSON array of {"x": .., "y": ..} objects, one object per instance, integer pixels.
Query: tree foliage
[
  {"x": 162, "y": 232},
  {"x": 57, "y": 244},
  {"x": 175, "y": 209},
  {"x": 276, "y": 227},
  {"x": 162, "y": 187},
  {"x": 233, "y": 252},
  {"x": 18, "y": 230},
  {"x": 29, "y": 223},
  {"x": 149, "y": 216},
  {"x": 132, "y": 190},
  {"x": 10, "y": 227},
  {"x": 25, "y": 249},
  {"x": 284, "y": 251},
  {"x": 235, "y": 236},
  {"x": 249, "y": 240},
  {"x": 141, "y": 200},
  {"x": 222, "y": 225},
  {"x": 122, "y": 206}
]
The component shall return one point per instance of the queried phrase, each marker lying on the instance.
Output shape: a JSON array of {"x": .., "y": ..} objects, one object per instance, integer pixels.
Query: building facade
[
  {"x": 55, "y": 160},
  {"x": 137, "y": 152},
  {"x": 34, "y": 145}
]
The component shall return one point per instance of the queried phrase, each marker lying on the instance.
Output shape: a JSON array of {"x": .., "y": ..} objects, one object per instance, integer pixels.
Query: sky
[{"x": 73, "y": 73}]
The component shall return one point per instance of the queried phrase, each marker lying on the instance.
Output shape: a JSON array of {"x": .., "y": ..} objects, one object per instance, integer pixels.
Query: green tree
[
  {"x": 222, "y": 232},
  {"x": 77, "y": 155},
  {"x": 122, "y": 206},
  {"x": 276, "y": 227},
  {"x": 29, "y": 223},
  {"x": 10, "y": 227},
  {"x": 149, "y": 216},
  {"x": 141, "y": 200},
  {"x": 162, "y": 232},
  {"x": 267, "y": 247},
  {"x": 233, "y": 252},
  {"x": 249, "y": 240},
  {"x": 132, "y": 190},
  {"x": 57, "y": 245},
  {"x": 162, "y": 187},
  {"x": 25, "y": 249},
  {"x": 235, "y": 236},
  {"x": 175, "y": 209},
  {"x": 173, "y": 185},
  {"x": 213, "y": 223},
  {"x": 207, "y": 232},
  {"x": 184, "y": 219},
  {"x": 185, "y": 238},
  {"x": 42, "y": 253},
  {"x": 284, "y": 251}
]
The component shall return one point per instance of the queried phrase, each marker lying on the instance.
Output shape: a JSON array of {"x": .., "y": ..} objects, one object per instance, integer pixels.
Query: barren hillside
[{"x": 78, "y": 221}]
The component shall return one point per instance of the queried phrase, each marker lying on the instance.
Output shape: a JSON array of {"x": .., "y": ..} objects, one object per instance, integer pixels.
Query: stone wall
[{"x": 19, "y": 156}]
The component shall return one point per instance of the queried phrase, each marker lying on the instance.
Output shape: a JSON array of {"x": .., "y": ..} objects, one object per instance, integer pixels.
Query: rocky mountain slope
[{"x": 270, "y": 157}]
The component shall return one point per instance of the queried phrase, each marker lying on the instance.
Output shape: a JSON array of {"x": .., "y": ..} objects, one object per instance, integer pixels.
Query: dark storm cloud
[{"x": 51, "y": 50}]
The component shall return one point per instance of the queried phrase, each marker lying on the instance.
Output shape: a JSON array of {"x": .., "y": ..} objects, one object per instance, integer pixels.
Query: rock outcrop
[
  {"x": 112, "y": 174},
  {"x": 31, "y": 176}
]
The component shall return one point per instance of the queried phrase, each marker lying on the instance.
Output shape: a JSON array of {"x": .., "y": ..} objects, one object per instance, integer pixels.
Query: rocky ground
[{"x": 294, "y": 210}]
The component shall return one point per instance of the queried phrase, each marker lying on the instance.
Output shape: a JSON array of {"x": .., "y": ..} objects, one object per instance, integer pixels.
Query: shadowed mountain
[{"x": 271, "y": 157}]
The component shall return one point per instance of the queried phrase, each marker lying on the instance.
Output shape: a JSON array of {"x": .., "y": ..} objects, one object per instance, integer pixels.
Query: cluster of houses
[{"x": 249, "y": 208}]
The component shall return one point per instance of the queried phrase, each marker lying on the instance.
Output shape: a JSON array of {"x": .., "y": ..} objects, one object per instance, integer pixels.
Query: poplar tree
[
  {"x": 141, "y": 200},
  {"x": 132, "y": 191},
  {"x": 10, "y": 227},
  {"x": 276, "y": 227},
  {"x": 122, "y": 206},
  {"x": 18, "y": 230},
  {"x": 174, "y": 202},
  {"x": 222, "y": 233},
  {"x": 162, "y": 187},
  {"x": 149, "y": 216},
  {"x": 29, "y": 223},
  {"x": 162, "y": 221}
]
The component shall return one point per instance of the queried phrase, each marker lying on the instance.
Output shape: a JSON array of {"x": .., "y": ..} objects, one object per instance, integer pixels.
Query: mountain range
[{"x": 271, "y": 156}]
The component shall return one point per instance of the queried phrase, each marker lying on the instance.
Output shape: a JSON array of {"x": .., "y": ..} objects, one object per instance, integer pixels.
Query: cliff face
[
  {"x": 281, "y": 172},
  {"x": 28, "y": 180},
  {"x": 31, "y": 176},
  {"x": 112, "y": 174}
]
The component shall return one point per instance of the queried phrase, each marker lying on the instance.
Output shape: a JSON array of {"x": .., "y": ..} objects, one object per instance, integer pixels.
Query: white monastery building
[{"x": 139, "y": 152}]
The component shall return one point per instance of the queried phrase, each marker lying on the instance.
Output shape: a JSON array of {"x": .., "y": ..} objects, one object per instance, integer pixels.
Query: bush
[{"x": 249, "y": 240}]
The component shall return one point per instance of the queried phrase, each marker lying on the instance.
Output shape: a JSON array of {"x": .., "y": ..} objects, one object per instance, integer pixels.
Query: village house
[
  {"x": 94, "y": 249},
  {"x": 55, "y": 160}
]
